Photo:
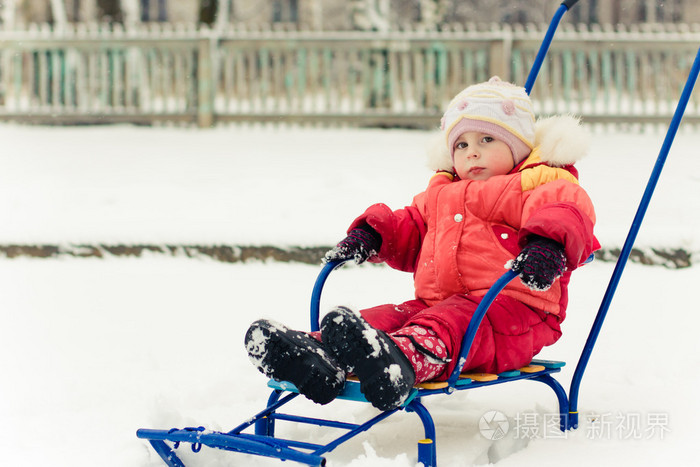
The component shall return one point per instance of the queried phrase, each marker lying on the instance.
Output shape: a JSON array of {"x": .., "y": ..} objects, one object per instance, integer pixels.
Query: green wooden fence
[{"x": 92, "y": 74}]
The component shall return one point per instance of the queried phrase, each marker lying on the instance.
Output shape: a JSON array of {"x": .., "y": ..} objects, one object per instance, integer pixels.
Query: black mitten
[
  {"x": 361, "y": 243},
  {"x": 540, "y": 263}
]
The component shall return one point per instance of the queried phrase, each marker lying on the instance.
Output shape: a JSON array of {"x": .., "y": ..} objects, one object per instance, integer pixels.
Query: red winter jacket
[{"x": 458, "y": 235}]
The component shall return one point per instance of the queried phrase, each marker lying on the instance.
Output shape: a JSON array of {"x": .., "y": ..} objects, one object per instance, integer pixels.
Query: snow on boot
[
  {"x": 385, "y": 374},
  {"x": 287, "y": 355}
]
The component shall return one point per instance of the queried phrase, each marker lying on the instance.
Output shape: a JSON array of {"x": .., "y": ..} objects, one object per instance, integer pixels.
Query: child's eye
[
  {"x": 461, "y": 145},
  {"x": 487, "y": 139}
]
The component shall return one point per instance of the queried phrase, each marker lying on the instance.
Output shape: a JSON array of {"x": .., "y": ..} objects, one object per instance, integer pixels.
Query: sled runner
[{"x": 262, "y": 441}]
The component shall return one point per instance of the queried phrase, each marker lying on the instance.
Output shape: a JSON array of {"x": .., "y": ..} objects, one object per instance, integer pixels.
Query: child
[{"x": 506, "y": 195}]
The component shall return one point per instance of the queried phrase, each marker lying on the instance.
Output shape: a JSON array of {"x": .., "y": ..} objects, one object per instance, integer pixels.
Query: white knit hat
[{"x": 496, "y": 107}]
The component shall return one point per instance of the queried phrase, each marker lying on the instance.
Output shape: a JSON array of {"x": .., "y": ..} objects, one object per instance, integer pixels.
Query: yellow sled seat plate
[
  {"x": 532, "y": 368},
  {"x": 480, "y": 377}
]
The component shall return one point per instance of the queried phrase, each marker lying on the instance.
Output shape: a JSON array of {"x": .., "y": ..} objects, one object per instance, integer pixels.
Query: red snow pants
[{"x": 510, "y": 335}]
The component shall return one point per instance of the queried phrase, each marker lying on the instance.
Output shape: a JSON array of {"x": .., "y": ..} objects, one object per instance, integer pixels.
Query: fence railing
[{"x": 91, "y": 74}]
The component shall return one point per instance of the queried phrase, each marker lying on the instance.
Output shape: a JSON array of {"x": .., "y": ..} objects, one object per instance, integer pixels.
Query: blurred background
[{"x": 381, "y": 63}]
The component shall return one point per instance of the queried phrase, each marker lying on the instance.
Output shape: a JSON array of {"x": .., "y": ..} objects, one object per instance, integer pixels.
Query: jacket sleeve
[
  {"x": 402, "y": 233},
  {"x": 562, "y": 211}
]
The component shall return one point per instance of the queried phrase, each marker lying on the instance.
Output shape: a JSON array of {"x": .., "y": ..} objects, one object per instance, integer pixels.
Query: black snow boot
[
  {"x": 287, "y": 355},
  {"x": 386, "y": 376}
]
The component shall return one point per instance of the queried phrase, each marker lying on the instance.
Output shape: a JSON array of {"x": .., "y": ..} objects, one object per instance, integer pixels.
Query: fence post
[
  {"x": 205, "y": 83},
  {"x": 500, "y": 51}
]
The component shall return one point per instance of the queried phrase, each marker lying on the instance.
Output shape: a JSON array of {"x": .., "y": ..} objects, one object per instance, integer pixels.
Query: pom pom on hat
[{"x": 496, "y": 107}]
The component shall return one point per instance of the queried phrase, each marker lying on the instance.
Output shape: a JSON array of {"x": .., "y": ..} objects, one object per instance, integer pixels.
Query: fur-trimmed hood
[{"x": 561, "y": 141}]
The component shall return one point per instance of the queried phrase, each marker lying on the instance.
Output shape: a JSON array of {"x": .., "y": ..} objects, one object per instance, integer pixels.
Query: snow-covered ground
[{"x": 96, "y": 348}]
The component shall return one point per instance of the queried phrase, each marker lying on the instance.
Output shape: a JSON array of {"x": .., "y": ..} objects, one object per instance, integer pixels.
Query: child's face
[{"x": 479, "y": 156}]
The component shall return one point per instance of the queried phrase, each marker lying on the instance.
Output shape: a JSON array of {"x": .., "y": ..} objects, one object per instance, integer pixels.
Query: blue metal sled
[{"x": 263, "y": 442}]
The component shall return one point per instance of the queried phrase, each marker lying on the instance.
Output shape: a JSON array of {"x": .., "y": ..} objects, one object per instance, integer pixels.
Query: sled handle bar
[
  {"x": 546, "y": 42},
  {"x": 315, "y": 314}
]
